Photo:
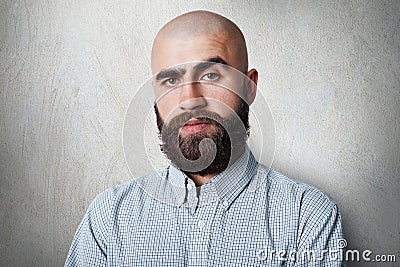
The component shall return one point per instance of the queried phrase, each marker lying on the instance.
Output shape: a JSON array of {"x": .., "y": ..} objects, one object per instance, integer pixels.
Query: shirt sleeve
[
  {"x": 89, "y": 246},
  {"x": 321, "y": 241}
]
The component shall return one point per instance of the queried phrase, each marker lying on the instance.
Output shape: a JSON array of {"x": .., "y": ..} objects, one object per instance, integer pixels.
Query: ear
[{"x": 251, "y": 85}]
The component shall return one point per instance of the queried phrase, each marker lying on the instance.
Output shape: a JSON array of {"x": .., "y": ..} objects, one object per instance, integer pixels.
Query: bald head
[{"x": 198, "y": 36}]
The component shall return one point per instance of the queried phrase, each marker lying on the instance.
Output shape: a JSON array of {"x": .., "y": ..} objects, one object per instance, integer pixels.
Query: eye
[
  {"x": 210, "y": 76},
  {"x": 171, "y": 81}
]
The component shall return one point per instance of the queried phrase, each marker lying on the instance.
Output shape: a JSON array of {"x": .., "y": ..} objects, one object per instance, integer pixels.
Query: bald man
[{"x": 215, "y": 205}]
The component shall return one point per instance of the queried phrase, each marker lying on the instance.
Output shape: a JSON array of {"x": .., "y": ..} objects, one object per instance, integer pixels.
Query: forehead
[{"x": 172, "y": 51}]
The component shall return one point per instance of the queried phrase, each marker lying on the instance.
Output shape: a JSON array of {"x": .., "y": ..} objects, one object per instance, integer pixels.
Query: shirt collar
[{"x": 223, "y": 187}]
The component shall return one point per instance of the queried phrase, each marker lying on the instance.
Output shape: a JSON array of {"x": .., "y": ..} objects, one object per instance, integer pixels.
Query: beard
[{"x": 222, "y": 139}]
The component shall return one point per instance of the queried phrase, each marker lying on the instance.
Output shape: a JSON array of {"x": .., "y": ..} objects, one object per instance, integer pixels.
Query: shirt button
[
  {"x": 201, "y": 224},
  {"x": 225, "y": 203}
]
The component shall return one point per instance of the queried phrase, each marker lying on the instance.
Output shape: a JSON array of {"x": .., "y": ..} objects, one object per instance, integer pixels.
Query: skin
[{"x": 201, "y": 36}]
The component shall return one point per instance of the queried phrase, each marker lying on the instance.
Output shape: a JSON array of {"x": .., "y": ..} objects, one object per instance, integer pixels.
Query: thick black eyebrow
[
  {"x": 168, "y": 73},
  {"x": 209, "y": 62}
]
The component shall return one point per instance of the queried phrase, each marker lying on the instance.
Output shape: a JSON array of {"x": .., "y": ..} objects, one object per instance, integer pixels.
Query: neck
[{"x": 199, "y": 180}]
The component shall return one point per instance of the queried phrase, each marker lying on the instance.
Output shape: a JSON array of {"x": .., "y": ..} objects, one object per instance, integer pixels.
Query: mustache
[{"x": 202, "y": 115}]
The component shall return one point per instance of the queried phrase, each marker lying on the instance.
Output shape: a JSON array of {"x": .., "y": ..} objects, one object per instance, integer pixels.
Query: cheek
[
  {"x": 167, "y": 104},
  {"x": 224, "y": 104},
  {"x": 228, "y": 98},
  {"x": 163, "y": 109}
]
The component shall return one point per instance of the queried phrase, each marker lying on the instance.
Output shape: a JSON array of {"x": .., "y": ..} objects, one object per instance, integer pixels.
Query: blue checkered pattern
[{"x": 245, "y": 216}]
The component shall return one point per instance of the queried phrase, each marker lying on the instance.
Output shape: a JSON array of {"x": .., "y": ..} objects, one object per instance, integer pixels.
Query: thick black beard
[{"x": 189, "y": 144}]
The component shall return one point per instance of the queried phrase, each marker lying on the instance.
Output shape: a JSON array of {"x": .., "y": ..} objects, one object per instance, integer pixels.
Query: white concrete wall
[{"x": 68, "y": 69}]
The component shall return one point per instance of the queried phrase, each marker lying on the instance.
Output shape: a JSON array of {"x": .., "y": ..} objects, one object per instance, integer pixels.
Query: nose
[{"x": 191, "y": 97}]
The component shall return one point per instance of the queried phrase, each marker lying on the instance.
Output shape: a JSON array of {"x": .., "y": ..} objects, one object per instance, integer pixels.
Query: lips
[
  {"x": 195, "y": 125},
  {"x": 192, "y": 122}
]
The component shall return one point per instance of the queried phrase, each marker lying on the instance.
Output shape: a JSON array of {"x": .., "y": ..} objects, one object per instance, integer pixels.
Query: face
[
  {"x": 180, "y": 87},
  {"x": 200, "y": 94}
]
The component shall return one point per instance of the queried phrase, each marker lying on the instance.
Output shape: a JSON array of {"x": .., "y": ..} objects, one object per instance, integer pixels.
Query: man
[{"x": 214, "y": 205}]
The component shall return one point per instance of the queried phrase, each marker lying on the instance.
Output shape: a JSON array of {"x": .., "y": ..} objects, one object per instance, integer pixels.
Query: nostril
[{"x": 193, "y": 103}]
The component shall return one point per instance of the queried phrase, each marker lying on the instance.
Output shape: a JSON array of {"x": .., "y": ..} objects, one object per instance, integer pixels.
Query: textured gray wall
[{"x": 68, "y": 69}]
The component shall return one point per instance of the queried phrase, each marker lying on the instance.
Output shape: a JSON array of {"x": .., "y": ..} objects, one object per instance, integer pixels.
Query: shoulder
[
  {"x": 285, "y": 190},
  {"x": 125, "y": 195},
  {"x": 311, "y": 210}
]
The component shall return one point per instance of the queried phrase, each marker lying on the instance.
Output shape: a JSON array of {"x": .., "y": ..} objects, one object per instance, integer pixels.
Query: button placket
[{"x": 200, "y": 235}]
